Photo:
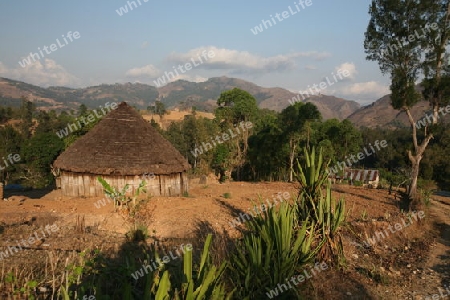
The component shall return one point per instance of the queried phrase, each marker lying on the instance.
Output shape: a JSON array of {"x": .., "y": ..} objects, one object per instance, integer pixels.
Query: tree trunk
[
  {"x": 435, "y": 114},
  {"x": 291, "y": 159},
  {"x": 412, "y": 190},
  {"x": 415, "y": 159}
]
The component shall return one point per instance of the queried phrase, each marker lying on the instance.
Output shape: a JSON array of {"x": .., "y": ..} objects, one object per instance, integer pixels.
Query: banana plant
[{"x": 120, "y": 197}]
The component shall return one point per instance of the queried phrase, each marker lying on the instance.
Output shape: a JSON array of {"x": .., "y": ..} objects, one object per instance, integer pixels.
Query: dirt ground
[{"x": 411, "y": 263}]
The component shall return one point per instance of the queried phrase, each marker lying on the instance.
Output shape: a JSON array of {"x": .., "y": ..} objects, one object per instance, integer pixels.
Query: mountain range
[
  {"x": 182, "y": 94},
  {"x": 178, "y": 94}
]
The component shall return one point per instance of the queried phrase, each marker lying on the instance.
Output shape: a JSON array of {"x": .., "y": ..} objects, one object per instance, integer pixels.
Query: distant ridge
[
  {"x": 380, "y": 113},
  {"x": 180, "y": 94}
]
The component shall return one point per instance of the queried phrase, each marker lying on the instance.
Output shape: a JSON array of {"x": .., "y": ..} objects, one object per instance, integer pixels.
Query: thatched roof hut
[{"x": 122, "y": 148}]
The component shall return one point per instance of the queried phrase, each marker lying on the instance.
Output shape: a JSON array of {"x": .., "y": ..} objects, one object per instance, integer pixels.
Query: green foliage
[
  {"x": 120, "y": 197},
  {"x": 293, "y": 120},
  {"x": 221, "y": 161},
  {"x": 403, "y": 88},
  {"x": 227, "y": 195},
  {"x": 324, "y": 211},
  {"x": 312, "y": 178},
  {"x": 190, "y": 134},
  {"x": 96, "y": 275},
  {"x": 364, "y": 216},
  {"x": 206, "y": 283},
  {"x": 236, "y": 105},
  {"x": 26, "y": 115},
  {"x": 425, "y": 196},
  {"x": 39, "y": 152},
  {"x": 358, "y": 183},
  {"x": 158, "y": 108},
  {"x": 270, "y": 251}
]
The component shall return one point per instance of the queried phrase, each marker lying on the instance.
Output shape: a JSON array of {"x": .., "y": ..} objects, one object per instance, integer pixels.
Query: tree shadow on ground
[
  {"x": 133, "y": 269},
  {"x": 32, "y": 194},
  {"x": 444, "y": 268},
  {"x": 392, "y": 203},
  {"x": 337, "y": 285},
  {"x": 234, "y": 212},
  {"x": 222, "y": 244}
]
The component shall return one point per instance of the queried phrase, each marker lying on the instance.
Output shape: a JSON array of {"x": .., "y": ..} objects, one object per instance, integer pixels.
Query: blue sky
[{"x": 305, "y": 48}]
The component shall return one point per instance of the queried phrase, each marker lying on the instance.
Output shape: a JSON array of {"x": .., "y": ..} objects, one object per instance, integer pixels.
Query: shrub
[
  {"x": 322, "y": 209},
  {"x": 270, "y": 251}
]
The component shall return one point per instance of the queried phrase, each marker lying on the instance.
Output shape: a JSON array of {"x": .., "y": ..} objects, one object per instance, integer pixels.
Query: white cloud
[
  {"x": 144, "y": 45},
  {"x": 148, "y": 70},
  {"x": 370, "y": 89},
  {"x": 310, "y": 67},
  {"x": 195, "y": 78},
  {"x": 241, "y": 61},
  {"x": 45, "y": 72},
  {"x": 349, "y": 67}
]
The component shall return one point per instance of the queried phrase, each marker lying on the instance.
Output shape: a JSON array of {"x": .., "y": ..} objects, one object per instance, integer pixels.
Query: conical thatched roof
[{"x": 122, "y": 143}]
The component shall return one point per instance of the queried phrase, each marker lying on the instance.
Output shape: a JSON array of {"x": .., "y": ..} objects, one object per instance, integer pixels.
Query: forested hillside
[{"x": 242, "y": 141}]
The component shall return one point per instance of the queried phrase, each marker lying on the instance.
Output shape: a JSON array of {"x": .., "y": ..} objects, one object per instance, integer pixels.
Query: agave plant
[
  {"x": 331, "y": 217},
  {"x": 270, "y": 252},
  {"x": 312, "y": 178},
  {"x": 328, "y": 214}
]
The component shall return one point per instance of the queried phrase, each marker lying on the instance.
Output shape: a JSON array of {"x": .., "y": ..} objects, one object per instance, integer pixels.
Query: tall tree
[
  {"x": 39, "y": 152},
  {"x": 293, "y": 119},
  {"x": 436, "y": 81},
  {"x": 26, "y": 115},
  {"x": 11, "y": 142},
  {"x": 158, "y": 108},
  {"x": 236, "y": 106},
  {"x": 394, "y": 38}
]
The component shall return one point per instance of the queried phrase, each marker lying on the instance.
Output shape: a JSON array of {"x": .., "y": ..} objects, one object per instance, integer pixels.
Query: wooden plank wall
[{"x": 87, "y": 185}]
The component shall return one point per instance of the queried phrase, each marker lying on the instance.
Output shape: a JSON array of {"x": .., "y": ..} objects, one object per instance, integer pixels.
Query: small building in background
[{"x": 369, "y": 178}]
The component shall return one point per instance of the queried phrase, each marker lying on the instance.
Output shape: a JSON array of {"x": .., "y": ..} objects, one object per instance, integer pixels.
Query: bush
[
  {"x": 328, "y": 214},
  {"x": 270, "y": 252}
]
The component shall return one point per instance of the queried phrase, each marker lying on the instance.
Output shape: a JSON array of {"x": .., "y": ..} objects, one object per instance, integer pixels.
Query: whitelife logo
[
  {"x": 124, "y": 9},
  {"x": 296, "y": 280},
  {"x": 207, "y": 146},
  {"x": 12, "y": 158},
  {"x": 281, "y": 17},
  {"x": 158, "y": 261},
  {"x": 30, "y": 241},
  {"x": 90, "y": 118},
  {"x": 243, "y": 217},
  {"x": 355, "y": 158},
  {"x": 168, "y": 76},
  {"x": 428, "y": 119},
  {"x": 379, "y": 235},
  {"x": 317, "y": 88},
  {"x": 53, "y": 47}
]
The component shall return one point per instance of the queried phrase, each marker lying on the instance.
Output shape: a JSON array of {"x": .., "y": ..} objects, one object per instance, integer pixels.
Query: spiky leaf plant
[
  {"x": 313, "y": 203},
  {"x": 270, "y": 252}
]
